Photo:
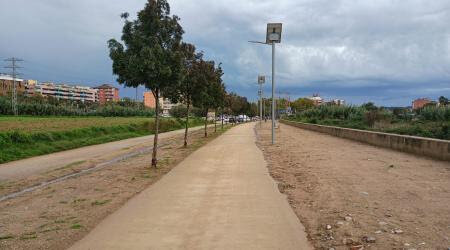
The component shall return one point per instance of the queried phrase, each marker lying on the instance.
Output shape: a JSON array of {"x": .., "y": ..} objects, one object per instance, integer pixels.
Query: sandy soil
[
  {"x": 57, "y": 216},
  {"x": 351, "y": 195}
]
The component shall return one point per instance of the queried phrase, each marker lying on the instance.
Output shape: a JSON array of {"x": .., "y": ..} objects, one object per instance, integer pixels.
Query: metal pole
[
  {"x": 273, "y": 93},
  {"x": 260, "y": 105}
]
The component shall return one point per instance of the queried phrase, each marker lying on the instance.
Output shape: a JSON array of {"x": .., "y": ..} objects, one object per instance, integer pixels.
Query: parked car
[{"x": 231, "y": 120}]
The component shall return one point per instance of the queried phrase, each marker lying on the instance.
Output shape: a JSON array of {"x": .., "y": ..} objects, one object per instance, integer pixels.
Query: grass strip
[{"x": 16, "y": 145}]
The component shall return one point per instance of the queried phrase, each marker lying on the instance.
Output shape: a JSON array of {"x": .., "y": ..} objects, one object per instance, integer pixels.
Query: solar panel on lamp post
[{"x": 273, "y": 36}]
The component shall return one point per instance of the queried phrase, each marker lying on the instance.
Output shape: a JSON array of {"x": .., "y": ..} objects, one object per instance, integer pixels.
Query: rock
[
  {"x": 339, "y": 223},
  {"x": 398, "y": 231},
  {"x": 406, "y": 244},
  {"x": 328, "y": 227},
  {"x": 364, "y": 193},
  {"x": 378, "y": 232},
  {"x": 369, "y": 239},
  {"x": 357, "y": 247},
  {"x": 388, "y": 215},
  {"x": 348, "y": 218},
  {"x": 347, "y": 241},
  {"x": 382, "y": 223}
]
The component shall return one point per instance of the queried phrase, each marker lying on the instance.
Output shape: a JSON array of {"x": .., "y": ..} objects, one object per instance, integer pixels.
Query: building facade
[
  {"x": 107, "y": 93},
  {"x": 62, "y": 91},
  {"x": 7, "y": 85},
  {"x": 420, "y": 103},
  {"x": 165, "y": 104},
  {"x": 149, "y": 100},
  {"x": 316, "y": 99}
]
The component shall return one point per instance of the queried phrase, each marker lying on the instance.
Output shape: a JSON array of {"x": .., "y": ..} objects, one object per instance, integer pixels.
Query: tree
[
  {"x": 151, "y": 54},
  {"x": 218, "y": 93},
  {"x": 302, "y": 104},
  {"x": 204, "y": 96},
  {"x": 185, "y": 90},
  {"x": 443, "y": 101}
]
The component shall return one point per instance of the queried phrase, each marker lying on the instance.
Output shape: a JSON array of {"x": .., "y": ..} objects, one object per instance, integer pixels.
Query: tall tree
[
  {"x": 204, "y": 96},
  {"x": 218, "y": 92},
  {"x": 150, "y": 54},
  {"x": 191, "y": 82}
]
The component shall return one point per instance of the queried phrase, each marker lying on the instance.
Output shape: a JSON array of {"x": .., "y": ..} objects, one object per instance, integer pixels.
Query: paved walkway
[
  {"x": 101, "y": 152},
  {"x": 220, "y": 197}
]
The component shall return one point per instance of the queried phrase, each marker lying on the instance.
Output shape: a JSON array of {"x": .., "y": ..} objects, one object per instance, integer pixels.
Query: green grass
[
  {"x": 24, "y": 137},
  {"x": 76, "y": 226}
]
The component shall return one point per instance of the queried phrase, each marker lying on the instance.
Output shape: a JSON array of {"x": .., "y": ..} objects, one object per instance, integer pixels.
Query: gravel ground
[{"x": 351, "y": 195}]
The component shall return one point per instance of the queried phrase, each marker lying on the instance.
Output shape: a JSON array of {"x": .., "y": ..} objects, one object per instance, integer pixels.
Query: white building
[{"x": 64, "y": 91}]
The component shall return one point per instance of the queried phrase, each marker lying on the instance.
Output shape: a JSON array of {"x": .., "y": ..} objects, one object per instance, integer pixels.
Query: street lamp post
[
  {"x": 261, "y": 81},
  {"x": 273, "y": 36}
]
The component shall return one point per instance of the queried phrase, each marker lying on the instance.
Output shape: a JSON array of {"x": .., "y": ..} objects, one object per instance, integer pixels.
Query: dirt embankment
[
  {"x": 58, "y": 215},
  {"x": 351, "y": 195}
]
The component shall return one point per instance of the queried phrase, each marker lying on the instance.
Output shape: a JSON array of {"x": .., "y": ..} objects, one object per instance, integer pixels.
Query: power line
[{"x": 14, "y": 68}]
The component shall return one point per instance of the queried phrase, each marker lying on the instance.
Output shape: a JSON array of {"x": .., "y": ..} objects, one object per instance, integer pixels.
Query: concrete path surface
[
  {"x": 220, "y": 197},
  {"x": 39, "y": 164}
]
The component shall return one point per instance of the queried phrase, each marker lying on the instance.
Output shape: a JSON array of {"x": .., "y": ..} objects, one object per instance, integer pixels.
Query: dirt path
[
  {"x": 369, "y": 196},
  {"x": 220, "y": 197},
  {"x": 102, "y": 152}
]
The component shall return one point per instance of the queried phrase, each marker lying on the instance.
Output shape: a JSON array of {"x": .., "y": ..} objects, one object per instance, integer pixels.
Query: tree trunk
[
  {"x": 215, "y": 123},
  {"x": 206, "y": 123},
  {"x": 222, "y": 118},
  {"x": 187, "y": 125},
  {"x": 155, "y": 138}
]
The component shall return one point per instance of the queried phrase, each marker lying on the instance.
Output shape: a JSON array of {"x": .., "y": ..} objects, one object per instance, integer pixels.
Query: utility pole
[{"x": 14, "y": 68}]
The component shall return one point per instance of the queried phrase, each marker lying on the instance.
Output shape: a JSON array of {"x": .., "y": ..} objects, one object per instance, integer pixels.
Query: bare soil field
[
  {"x": 58, "y": 215},
  {"x": 351, "y": 195}
]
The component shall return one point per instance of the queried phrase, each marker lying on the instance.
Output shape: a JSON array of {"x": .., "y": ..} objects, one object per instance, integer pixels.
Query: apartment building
[
  {"x": 107, "y": 93},
  {"x": 316, "y": 99},
  {"x": 7, "y": 85},
  {"x": 62, "y": 91},
  {"x": 420, "y": 103},
  {"x": 166, "y": 104},
  {"x": 149, "y": 100}
]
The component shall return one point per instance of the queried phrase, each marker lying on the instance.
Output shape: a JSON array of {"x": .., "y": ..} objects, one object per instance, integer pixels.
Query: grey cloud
[{"x": 342, "y": 48}]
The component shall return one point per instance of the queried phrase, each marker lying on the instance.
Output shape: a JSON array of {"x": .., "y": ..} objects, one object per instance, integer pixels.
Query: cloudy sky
[{"x": 386, "y": 51}]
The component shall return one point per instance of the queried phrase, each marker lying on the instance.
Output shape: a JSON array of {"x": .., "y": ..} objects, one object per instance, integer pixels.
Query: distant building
[
  {"x": 7, "y": 85},
  {"x": 107, "y": 93},
  {"x": 316, "y": 99},
  {"x": 149, "y": 100},
  {"x": 420, "y": 103},
  {"x": 165, "y": 104},
  {"x": 338, "y": 102},
  {"x": 62, "y": 91}
]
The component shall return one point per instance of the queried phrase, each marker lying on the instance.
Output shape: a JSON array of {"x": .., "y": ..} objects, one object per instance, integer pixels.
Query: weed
[
  {"x": 50, "y": 230},
  {"x": 78, "y": 200},
  {"x": 28, "y": 236},
  {"x": 99, "y": 203},
  {"x": 76, "y": 226},
  {"x": 6, "y": 237}
]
